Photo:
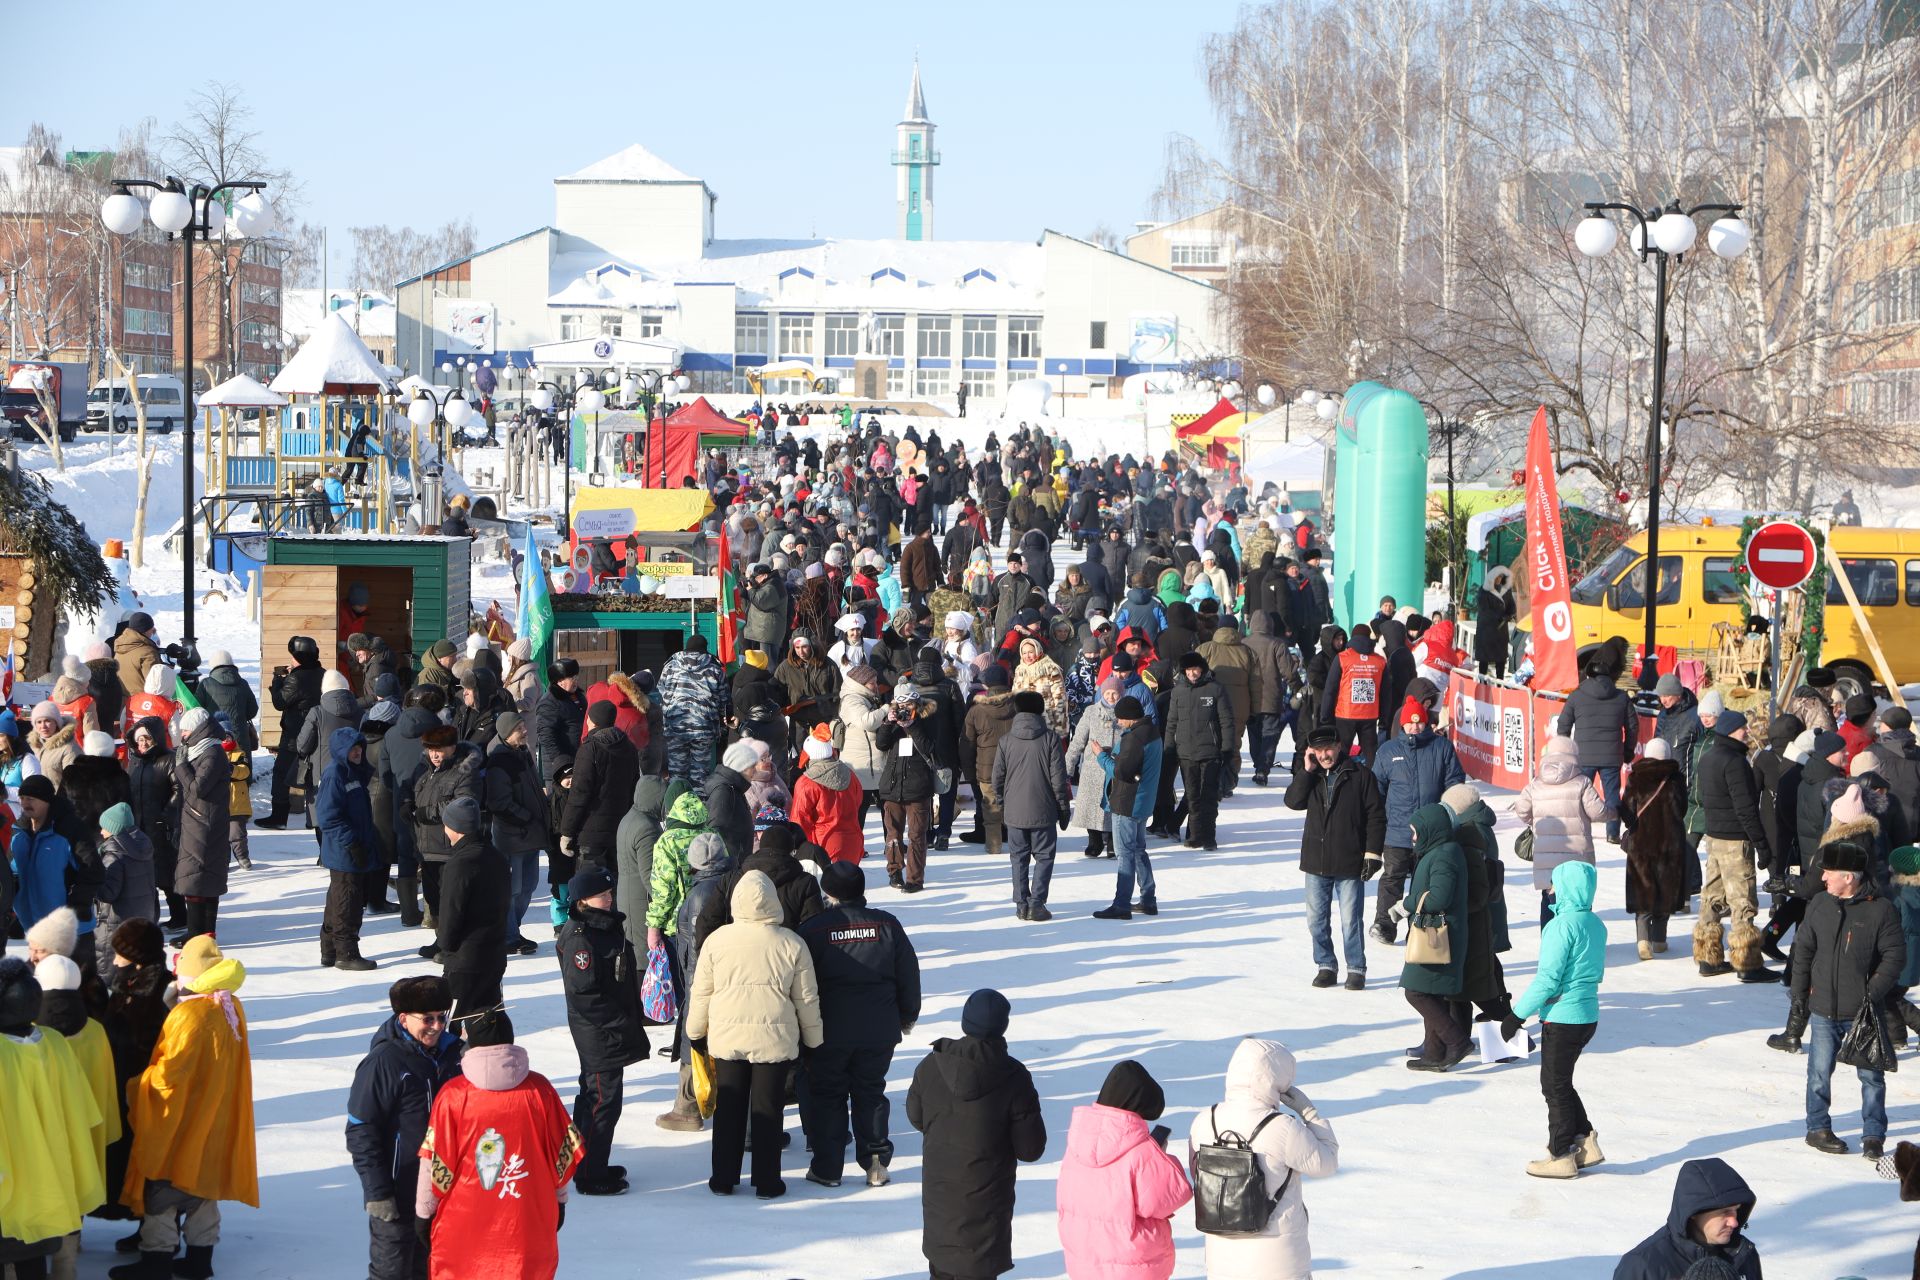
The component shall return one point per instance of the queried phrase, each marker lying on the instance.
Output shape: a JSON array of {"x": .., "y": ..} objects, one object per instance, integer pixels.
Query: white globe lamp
[
  {"x": 1675, "y": 233},
  {"x": 420, "y": 412},
  {"x": 542, "y": 399},
  {"x": 1265, "y": 395},
  {"x": 1327, "y": 409},
  {"x": 1729, "y": 237},
  {"x": 253, "y": 216},
  {"x": 459, "y": 412},
  {"x": 171, "y": 211},
  {"x": 121, "y": 213}
]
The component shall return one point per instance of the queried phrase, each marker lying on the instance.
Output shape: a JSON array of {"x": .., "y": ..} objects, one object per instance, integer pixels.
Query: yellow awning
[{"x": 630, "y": 509}]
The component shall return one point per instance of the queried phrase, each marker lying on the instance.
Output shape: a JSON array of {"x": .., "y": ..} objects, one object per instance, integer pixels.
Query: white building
[
  {"x": 631, "y": 276},
  {"x": 371, "y": 314}
]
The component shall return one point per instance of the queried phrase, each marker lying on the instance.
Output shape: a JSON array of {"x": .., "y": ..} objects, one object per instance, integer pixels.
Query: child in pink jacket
[{"x": 1118, "y": 1187}]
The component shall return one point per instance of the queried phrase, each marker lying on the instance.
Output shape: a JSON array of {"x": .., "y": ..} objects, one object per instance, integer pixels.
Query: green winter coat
[
  {"x": 1170, "y": 589},
  {"x": 686, "y": 819},
  {"x": 1573, "y": 953},
  {"x": 1696, "y": 814},
  {"x": 1440, "y": 878}
]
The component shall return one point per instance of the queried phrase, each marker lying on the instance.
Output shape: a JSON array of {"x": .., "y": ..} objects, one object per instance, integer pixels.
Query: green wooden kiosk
[{"x": 603, "y": 641}]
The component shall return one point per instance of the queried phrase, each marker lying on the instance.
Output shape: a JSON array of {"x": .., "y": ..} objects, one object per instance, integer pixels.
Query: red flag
[{"x": 1555, "y": 658}]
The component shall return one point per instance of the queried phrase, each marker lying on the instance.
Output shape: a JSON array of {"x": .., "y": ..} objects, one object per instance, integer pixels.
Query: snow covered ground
[{"x": 1431, "y": 1179}]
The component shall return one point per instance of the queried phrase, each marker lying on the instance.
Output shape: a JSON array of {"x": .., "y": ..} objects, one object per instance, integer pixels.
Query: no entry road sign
[{"x": 1780, "y": 555}]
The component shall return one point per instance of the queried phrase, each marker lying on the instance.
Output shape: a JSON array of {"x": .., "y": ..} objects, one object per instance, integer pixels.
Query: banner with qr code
[{"x": 1499, "y": 729}]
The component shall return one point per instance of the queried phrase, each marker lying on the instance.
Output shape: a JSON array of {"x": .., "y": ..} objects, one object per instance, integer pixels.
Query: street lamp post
[
  {"x": 1660, "y": 234},
  {"x": 1447, "y": 432},
  {"x": 1061, "y": 369},
  {"x": 187, "y": 213}
]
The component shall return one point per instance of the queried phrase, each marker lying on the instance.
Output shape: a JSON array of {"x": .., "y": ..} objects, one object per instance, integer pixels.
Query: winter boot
[
  {"x": 377, "y": 904},
  {"x": 1589, "y": 1153},
  {"x": 327, "y": 957},
  {"x": 1707, "y": 952},
  {"x": 409, "y": 889},
  {"x": 426, "y": 916},
  {"x": 1788, "y": 1041},
  {"x": 351, "y": 961},
  {"x": 1909, "y": 1014},
  {"x": 1566, "y": 1166},
  {"x": 1770, "y": 940},
  {"x": 685, "y": 1116},
  {"x": 151, "y": 1266},
  {"x": 197, "y": 1265},
  {"x": 1645, "y": 949},
  {"x": 1826, "y": 1140},
  {"x": 1743, "y": 952}
]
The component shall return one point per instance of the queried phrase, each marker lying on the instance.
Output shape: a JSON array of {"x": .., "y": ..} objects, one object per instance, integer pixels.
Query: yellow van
[{"x": 1698, "y": 587}]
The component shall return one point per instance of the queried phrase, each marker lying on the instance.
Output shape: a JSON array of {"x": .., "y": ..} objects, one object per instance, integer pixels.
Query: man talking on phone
[{"x": 1339, "y": 849}]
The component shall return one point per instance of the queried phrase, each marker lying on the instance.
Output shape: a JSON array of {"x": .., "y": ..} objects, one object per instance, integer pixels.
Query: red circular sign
[{"x": 1780, "y": 555}]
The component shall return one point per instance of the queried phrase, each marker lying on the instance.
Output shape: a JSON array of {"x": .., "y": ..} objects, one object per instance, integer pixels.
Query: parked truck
[{"x": 65, "y": 385}]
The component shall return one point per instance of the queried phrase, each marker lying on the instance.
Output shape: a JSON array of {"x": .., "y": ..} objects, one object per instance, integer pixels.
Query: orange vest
[
  {"x": 1360, "y": 677},
  {"x": 76, "y": 711}
]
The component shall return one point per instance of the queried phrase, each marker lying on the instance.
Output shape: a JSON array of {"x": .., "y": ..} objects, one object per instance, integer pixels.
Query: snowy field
[{"x": 1431, "y": 1179}]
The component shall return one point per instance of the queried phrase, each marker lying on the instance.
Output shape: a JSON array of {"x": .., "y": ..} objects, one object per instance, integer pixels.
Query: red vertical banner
[
  {"x": 723, "y": 607},
  {"x": 1555, "y": 656}
]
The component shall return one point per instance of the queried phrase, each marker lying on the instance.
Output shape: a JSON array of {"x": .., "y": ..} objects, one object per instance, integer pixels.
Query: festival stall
[{"x": 674, "y": 444}]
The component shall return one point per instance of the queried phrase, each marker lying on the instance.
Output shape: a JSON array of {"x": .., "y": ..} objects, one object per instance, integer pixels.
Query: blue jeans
[
  {"x": 1321, "y": 891},
  {"x": 1609, "y": 776},
  {"x": 1823, "y": 1042},
  {"x": 524, "y": 872},
  {"x": 1130, "y": 846}
]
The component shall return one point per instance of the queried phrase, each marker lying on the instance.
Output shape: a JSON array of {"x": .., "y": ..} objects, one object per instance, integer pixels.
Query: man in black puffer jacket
[
  {"x": 1200, "y": 730},
  {"x": 869, "y": 982},
  {"x": 600, "y": 972},
  {"x": 604, "y": 775},
  {"x": 1735, "y": 841},
  {"x": 517, "y": 809},
  {"x": 295, "y": 692},
  {"x": 560, "y": 719},
  {"x": 449, "y": 770},
  {"x": 1600, "y": 719},
  {"x": 1848, "y": 951},
  {"x": 793, "y": 884},
  {"x": 725, "y": 794},
  {"x": 1711, "y": 1205},
  {"x": 471, "y": 921}
]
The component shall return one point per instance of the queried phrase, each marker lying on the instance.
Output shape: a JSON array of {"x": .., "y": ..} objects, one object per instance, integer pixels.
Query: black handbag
[{"x": 1867, "y": 1046}]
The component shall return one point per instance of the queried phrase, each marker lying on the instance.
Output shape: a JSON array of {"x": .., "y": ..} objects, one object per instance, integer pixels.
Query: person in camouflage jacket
[{"x": 695, "y": 705}]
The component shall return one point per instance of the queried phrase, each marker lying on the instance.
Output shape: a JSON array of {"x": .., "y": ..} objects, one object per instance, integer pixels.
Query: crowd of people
[{"x": 702, "y": 833}]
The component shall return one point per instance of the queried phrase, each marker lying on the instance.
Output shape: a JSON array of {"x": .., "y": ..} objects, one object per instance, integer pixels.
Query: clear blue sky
[{"x": 1050, "y": 114}]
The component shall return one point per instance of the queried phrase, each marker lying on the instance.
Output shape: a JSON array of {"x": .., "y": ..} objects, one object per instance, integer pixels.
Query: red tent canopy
[
  {"x": 706, "y": 420},
  {"x": 1210, "y": 419}
]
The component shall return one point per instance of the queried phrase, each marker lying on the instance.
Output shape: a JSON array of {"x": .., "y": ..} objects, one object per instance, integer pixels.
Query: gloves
[
  {"x": 1302, "y": 1104},
  {"x": 385, "y": 1210},
  {"x": 423, "y": 1231},
  {"x": 1373, "y": 867},
  {"x": 699, "y": 1045},
  {"x": 558, "y": 910},
  {"x": 563, "y": 1216},
  {"x": 1065, "y": 818},
  {"x": 566, "y": 845},
  {"x": 906, "y": 1028}
]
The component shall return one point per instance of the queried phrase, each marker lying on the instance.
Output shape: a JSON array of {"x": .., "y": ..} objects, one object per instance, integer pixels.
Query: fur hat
[
  {"x": 98, "y": 743},
  {"x": 562, "y": 669},
  {"x": 1128, "y": 708},
  {"x": 139, "y": 941},
  {"x": 58, "y": 931},
  {"x": 429, "y": 993},
  {"x": 1460, "y": 797},
  {"x": 1031, "y": 701},
  {"x": 57, "y": 973},
  {"x": 1845, "y": 855},
  {"x": 441, "y": 735},
  {"x": 740, "y": 757},
  {"x": 19, "y": 993},
  {"x": 1657, "y": 749},
  {"x": 199, "y": 955},
  {"x": 462, "y": 816}
]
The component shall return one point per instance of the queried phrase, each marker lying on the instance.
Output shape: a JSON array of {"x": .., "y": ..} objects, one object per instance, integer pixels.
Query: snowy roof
[
  {"x": 333, "y": 361},
  {"x": 878, "y": 275},
  {"x": 634, "y": 164},
  {"x": 916, "y": 101},
  {"x": 240, "y": 392},
  {"x": 301, "y": 310}
]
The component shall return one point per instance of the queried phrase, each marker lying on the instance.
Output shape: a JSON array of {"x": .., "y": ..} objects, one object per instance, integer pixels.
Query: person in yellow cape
[
  {"x": 191, "y": 1112},
  {"x": 49, "y": 1172},
  {"x": 63, "y": 1010}
]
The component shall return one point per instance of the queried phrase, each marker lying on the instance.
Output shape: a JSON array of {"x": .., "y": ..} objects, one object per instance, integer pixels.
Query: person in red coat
[
  {"x": 629, "y": 708},
  {"x": 499, "y": 1152},
  {"x": 826, "y": 802}
]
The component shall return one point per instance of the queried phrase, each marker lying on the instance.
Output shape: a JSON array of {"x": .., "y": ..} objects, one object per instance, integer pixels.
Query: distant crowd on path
[{"x": 703, "y": 834}]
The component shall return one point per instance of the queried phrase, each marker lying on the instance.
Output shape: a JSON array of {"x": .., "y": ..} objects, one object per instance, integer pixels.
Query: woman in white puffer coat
[{"x": 1297, "y": 1144}]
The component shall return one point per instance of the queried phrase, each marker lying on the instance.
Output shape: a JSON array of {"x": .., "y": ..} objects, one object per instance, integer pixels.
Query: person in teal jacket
[
  {"x": 1437, "y": 895},
  {"x": 1565, "y": 992}
]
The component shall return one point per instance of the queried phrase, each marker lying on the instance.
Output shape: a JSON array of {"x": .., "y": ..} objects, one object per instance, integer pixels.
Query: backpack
[
  {"x": 1229, "y": 1191},
  {"x": 1152, "y": 624}
]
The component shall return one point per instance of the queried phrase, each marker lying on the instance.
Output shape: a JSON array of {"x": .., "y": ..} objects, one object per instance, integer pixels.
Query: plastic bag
[
  {"x": 659, "y": 1003},
  {"x": 1867, "y": 1046},
  {"x": 703, "y": 1089}
]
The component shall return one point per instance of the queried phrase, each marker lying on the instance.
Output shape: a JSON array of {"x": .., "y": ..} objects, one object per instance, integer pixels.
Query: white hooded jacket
[{"x": 1258, "y": 1074}]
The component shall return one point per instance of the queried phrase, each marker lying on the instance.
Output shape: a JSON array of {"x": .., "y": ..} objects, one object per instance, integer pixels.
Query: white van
[{"x": 108, "y": 404}]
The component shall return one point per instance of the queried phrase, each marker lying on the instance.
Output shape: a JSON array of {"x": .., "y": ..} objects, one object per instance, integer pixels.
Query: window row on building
[
  {"x": 806, "y": 335},
  {"x": 1890, "y": 298},
  {"x": 1888, "y": 395}
]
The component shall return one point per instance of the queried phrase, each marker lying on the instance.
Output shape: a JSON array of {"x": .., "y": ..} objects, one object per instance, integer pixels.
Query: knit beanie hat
[
  {"x": 1130, "y": 1088},
  {"x": 1460, "y": 797},
  {"x": 191, "y": 721},
  {"x": 1129, "y": 708},
  {"x": 1859, "y": 708},
  {"x": 986, "y": 1013},
  {"x": 57, "y": 932},
  {"x": 488, "y": 1027},
  {"x": 117, "y": 820},
  {"x": 707, "y": 852},
  {"x": 1800, "y": 750},
  {"x": 57, "y": 973},
  {"x": 1669, "y": 686},
  {"x": 1864, "y": 762},
  {"x": 1897, "y": 718},
  {"x": 1905, "y": 861},
  {"x": 740, "y": 757},
  {"x": 334, "y": 682},
  {"x": 461, "y": 816},
  {"x": 778, "y": 840},
  {"x": 140, "y": 941},
  {"x": 1712, "y": 703},
  {"x": 602, "y": 714},
  {"x": 1850, "y": 806},
  {"x": 817, "y": 748},
  {"x": 1657, "y": 749},
  {"x": 844, "y": 882},
  {"x": 97, "y": 743}
]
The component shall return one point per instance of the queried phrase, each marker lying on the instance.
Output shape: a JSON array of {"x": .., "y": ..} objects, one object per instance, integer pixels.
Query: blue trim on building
[
  {"x": 896, "y": 362},
  {"x": 1100, "y": 368},
  {"x": 796, "y": 271},
  {"x": 748, "y": 361},
  {"x": 979, "y": 364},
  {"x": 706, "y": 361},
  {"x": 888, "y": 271},
  {"x": 839, "y": 362},
  {"x": 979, "y": 273},
  {"x": 1023, "y": 364},
  {"x": 929, "y": 363}
]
